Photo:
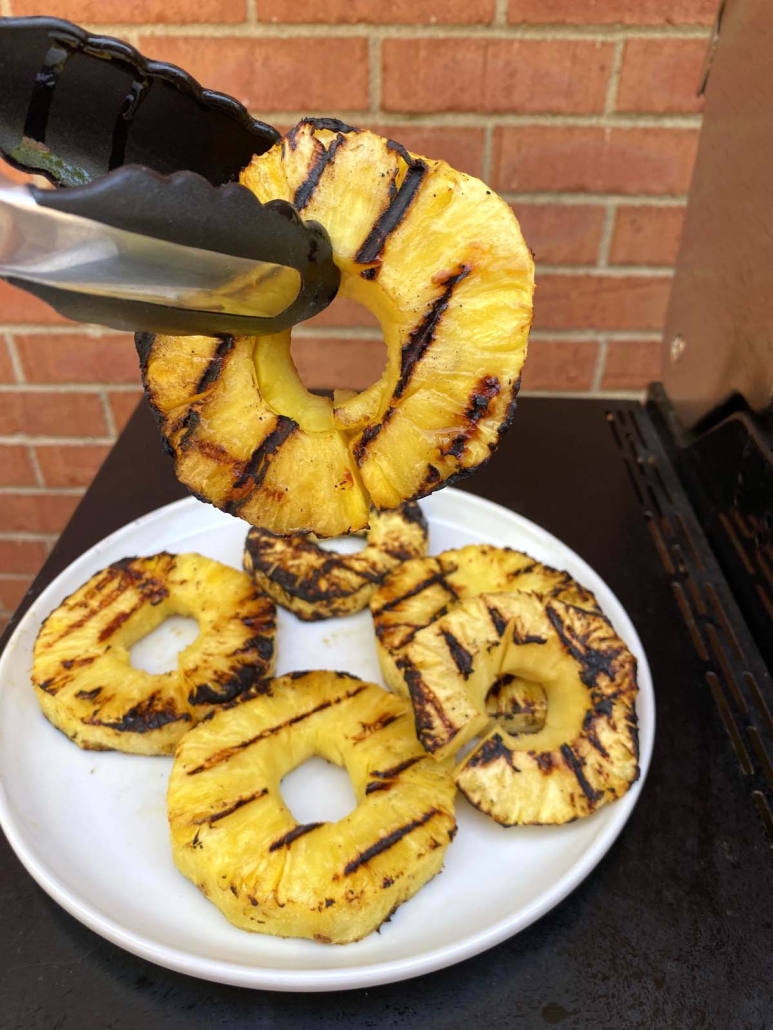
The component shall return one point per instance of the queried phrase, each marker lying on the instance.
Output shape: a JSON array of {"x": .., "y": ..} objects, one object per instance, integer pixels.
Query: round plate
[{"x": 91, "y": 826}]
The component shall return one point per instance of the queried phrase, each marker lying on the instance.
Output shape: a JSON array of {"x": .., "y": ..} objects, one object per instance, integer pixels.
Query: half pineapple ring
[
  {"x": 317, "y": 584},
  {"x": 441, "y": 262},
  {"x": 585, "y": 755},
  {"x": 418, "y": 592},
  {"x": 82, "y": 671},
  {"x": 234, "y": 837}
]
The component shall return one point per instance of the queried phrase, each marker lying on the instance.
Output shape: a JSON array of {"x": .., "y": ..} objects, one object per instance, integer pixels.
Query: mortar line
[
  {"x": 251, "y": 15},
  {"x": 107, "y": 411},
  {"x": 610, "y": 101},
  {"x": 602, "y": 259},
  {"x": 569, "y": 198},
  {"x": 613, "y": 271},
  {"x": 69, "y": 388},
  {"x": 393, "y": 30},
  {"x": 500, "y": 13},
  {"x": 35, "y": 465},
  {"x": 601, "y": 361},
  {"x": 623, "y": 395},
  {"x": 374, "y": 74},
  {"x": 474, "y": 119},
  {"x": 65, "y": 441},
  {"x": 13, "y": 354},
  {"x": 488, "y": 152},
  {"x": 37, "y": 491},
  {"x": 26, "y": 537}
]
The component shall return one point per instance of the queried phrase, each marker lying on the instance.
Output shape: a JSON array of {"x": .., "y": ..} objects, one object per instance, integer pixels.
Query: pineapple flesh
[
  {"x": 418, "y": 592},
  {"x": 82, "y": 671},
  {"x": 235, "y": 838},
  {"x": 317, "y": 584},
  {"x": 584, "y": 756},
  {"x": 440, "y": 261}
]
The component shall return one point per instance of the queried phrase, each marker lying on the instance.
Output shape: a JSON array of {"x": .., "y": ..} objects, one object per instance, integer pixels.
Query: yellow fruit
[
  {"x": 585, "y": 755},
  {"x": 441, "y": 262},
  {"x": 82, "y": 673},
  {"x": 234, "y": 837},
  {"x": 420, "y": 591},
  {"x": 317, "y": 584}
]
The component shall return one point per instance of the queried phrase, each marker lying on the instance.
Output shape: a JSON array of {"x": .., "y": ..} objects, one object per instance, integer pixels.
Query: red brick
[
  {"x": 661, "y": 75},
  {"x": 20, "y": 556},
  {"x": 343, "y": 312},
  {"x": 632, "y": 364},
  {"x": 136, "y": 12},
  {"x": 123, "y": 406},
  {"x": 78, "y": 358},
  {"x": 582, "y": 158},
  {"x": 325, "y": 363},
  {"x": 560, "y": 365},
  {"x": 4, "y": 620},
  {"x": 562, "y": 234},
  {"x": 63, "y": 465},
  {"x": 600, "y": 302},
  {"x": 462, "y": 148},
  {"x": 6, "y": 368},
  {"x": 608, "y": 12},
  {"x": 52, "y": 414},
  {"x": 524, "y": 75},
  {"x": 19, "y": 306},
  {"x": 646, "y": 235},
  {"x": 36, "y": 513},
  {"x": 274, "y": 74},
  {"x": 398, "y": 12},
  {"x": 15, "y": 466},
  {"x": 12, "y": 591}
]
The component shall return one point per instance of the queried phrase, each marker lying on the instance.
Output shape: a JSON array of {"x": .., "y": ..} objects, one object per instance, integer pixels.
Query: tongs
[{"x": 148, "y": 231}]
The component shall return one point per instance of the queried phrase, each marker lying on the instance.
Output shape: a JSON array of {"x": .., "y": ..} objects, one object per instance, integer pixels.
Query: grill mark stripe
[
  {"x": 421, "y": 338},
  {"x": 500, "y": 624},
  {"x": 385, "y": 843},
  {"x": 573, "y": 762},
  {"x": 369, "y": 728},
  {"x": 436, "y": 577},
  {"x": 424, "y": 701},
  {"x": 233, "y": 807},
  {"x": 142, "y": 717},
  {"x": 461, "y": 656},
  {"x": 305, "y": 191},
  {"x": 389, "y": 774},
  {"x": 212, "y": 372},
  {"x": 225, "y": 753},
  {"x": 291, "y": 835},
  {"x": 395, "y": 211},
  {"x": 257, "y": 468}
]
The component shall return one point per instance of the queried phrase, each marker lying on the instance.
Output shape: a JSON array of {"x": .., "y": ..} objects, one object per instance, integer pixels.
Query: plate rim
[{"x": 330, "y": 978}]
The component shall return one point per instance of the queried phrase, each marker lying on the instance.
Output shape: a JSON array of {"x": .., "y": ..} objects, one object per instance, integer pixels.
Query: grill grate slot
[{"x": 735, "y": 673}]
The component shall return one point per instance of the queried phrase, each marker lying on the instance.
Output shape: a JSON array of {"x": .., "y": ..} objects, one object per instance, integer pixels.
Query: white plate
[{"x": 91, "y": 827}]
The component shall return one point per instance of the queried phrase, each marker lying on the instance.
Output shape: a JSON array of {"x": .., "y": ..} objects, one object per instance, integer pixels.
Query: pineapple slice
[
  {"x": 584, "y": 756},
  {"x": 317, "y": 584},
  {"x": 420, "y": 591},
  {"x": 441, "y": 262},
  {"x": 233, "y": 836},
  {"x": 82, "y": 673}
]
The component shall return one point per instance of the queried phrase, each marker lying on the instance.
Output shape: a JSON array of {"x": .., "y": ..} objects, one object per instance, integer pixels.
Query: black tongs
[{"x": 151, "y": 232}]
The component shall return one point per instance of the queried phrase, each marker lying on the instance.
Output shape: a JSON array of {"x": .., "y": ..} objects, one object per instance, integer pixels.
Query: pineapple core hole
[
  {"x": 345, "y": 366},
  {"x": 318, "y": 792},
  {"x": 157, "y": 652}
]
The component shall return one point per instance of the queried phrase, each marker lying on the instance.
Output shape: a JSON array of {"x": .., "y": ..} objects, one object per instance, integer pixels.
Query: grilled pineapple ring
[
  {"x": 233, "y": 836},
  {"x": 82, "y": 673},
  {"x": 418, "y": 592},
  {"x": 317, "y": 584},
  {"x": 440, "y": 260},
  {"x": 587, "y": 752}
]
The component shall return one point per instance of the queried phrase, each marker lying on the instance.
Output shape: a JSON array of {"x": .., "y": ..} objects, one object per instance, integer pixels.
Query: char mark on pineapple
[
  {"x": 322, "y": 158},
  {"x": 396, "y": 209},
  {"x": 491, "y": 750},
  {"x": 481, "y": 397},
  {"x": 595, "y": 661},
  {"x": 255, "y": 470},
  {"x": 387, "y": 842},
  {"x": 395, "y": 770},
  {"x": 149, "y": 714},
  {"x": 573, "y": 762},
  {"x": 427, "y": 709},
  {"x": 422, "y": 337},
  {"x": 297, "y": 831},
  {"x": 223, "y": 755},
  {"x": 234, "y": 806},
  {"x": 216, "y": 364},
  {"x": 425, "y": 584},
  {"x": 461, "y": 656}
]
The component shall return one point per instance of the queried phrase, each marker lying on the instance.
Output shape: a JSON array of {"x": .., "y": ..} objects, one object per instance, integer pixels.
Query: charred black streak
[
  {"x": 240, "y": 802},
  {"x": 225, "y": 753},
  {"x": 428, "y": 712},
  {"x": 480, "y": 399},
  {"x": 370, "y": 273},
  {"x": 411, "y": 512},
  {"x": 420, "y": 339},
  {"x": 395, "y": 211},
  {"x": 490, "y": 751},
  {"x": 256, "y": 468},
  {"x": 527, "y": 638},
  {"x": 369, "y": 728},
  {"x": 216, "y": 363},
  {"x": 389, "y": 841},
  {"x": 89, "y": 695},
  {"x": 143, "y": 717},
  {"x": 395, "y": 770},
  {"x": 323, "y": 158},
  {"x": 498, "y": 622},
  {"x": 368, "y": 435},
  {"x": 594, "y": 662},
  {"x": 331, "y": 124},
  {"x": 431, "y": 479},
  {"x": 461, "y": 656},
  {"x": 545, "y": 761},
  {"x": 375, "y": 785},
  {"x": 589, "y": 732},
  {"x": 573, "y": 762},
  {"x": 436, "y": 577},
  {"x": 297, "y": 831}
]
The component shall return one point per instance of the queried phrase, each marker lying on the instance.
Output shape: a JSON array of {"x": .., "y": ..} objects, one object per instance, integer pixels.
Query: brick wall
[{"x": 582, "y": 113}]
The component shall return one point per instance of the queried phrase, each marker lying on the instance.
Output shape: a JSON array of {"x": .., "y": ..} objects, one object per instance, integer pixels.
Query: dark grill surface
[{"x": 672, "y": 930}]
